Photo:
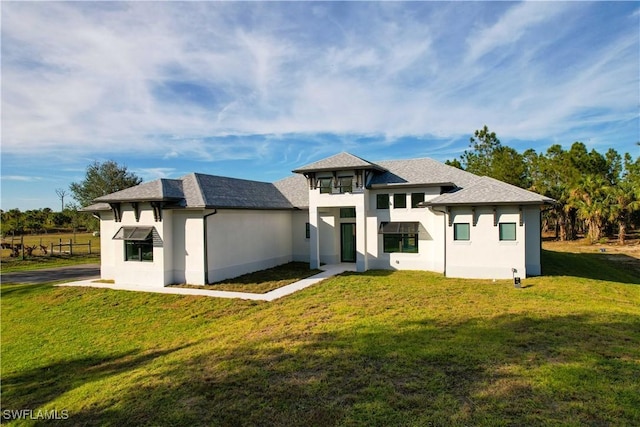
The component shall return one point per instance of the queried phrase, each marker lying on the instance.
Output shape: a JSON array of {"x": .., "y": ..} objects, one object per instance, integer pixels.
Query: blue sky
[{"x": 256, "y": 89}]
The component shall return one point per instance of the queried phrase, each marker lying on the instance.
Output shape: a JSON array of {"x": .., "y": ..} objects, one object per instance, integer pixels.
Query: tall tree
[
  {"x": 102, "y": 179},
  {"x": 487, "y": 156}
]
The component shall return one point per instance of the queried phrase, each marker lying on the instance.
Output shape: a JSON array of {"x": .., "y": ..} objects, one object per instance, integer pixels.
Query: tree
[
  {"x": 487, "y": 156},
  {"x": 625, "y": 197},
  {"x": 61, "y": 192},
  {"x": 589, "y": 197},
  {"x": 479, "y": 158},
  {"x": 102, "y": 179}
]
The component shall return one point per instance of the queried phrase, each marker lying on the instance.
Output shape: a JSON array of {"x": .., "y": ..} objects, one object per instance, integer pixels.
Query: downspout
[{"x": 204, "y": 242}]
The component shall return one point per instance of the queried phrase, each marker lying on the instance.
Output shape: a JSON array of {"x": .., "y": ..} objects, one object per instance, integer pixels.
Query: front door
[{"x": 347, "y": 243}]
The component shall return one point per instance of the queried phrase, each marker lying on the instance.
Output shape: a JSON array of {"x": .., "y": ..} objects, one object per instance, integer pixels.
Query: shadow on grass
[
  {"x": 39, "y": 386},
  {"x": 610, "y": 267},
  {"x": 21, "y": 289},
  {"x": 510, "y": 370}
]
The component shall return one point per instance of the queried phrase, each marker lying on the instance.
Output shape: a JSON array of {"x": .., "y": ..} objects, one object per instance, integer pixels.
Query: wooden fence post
[
  {"x": 89, "y": 246},
  {"x": 51, "y": 251},
  {"x": 22, "y": 244},
  {"x": 70, "y": 247}
]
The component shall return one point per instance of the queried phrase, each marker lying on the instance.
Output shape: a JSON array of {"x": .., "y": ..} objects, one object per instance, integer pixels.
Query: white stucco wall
[
  {"x": 532, "y": 240},
  {"x": 324, "y": 217},
  {"x": 146, "y": 273},
  {"x": 484, "y": 255},
  {"x": 188, "y": 247},
  {"x": 430, "y": 254},
  {"x": 299, "y": 241},
  {"x": 243, "y": 241},
  {"x": 107, "y": 250}
]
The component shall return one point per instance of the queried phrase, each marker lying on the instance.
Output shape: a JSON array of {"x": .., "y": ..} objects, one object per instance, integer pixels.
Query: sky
[{"x": 256, "y": 89}]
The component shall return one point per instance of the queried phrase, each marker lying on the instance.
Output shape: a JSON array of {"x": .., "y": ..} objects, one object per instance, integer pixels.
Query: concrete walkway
[{"x": 329, "y": 271}]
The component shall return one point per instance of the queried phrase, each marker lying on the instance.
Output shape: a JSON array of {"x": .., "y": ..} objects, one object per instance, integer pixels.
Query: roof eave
[
  {"x": 411, "y": 184},
  {"x": 140, "y": 200},
  {"x": 340, "y": 168},
  {"x": 514, "y": 203}
]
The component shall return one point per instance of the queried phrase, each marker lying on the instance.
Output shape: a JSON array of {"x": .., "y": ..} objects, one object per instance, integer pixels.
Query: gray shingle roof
[
  {"x": 295, "y": 189},
  {"x": 209, "y": 191},
  {"x": 339, "y": 161},
  {"x": 487, "y": 191},
  {"x": 222, "y": 192},
  {"x": 96, "y": 207},
  {"x": 423, "y": 171},
  {"x": 158, "y": 190}
]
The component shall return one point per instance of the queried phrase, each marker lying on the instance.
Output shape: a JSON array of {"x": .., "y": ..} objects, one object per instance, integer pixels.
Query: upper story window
[
  {"x": 325, "y": 185},
  {"x": 382, "y": 201},
  {"x": 345, "y": 184},
  {"x": 399, "y": 200},
  {"x": 416, "y": 198}
]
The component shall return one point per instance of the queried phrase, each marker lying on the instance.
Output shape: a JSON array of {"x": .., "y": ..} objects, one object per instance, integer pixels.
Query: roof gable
[{"x": 339, "y": 161}]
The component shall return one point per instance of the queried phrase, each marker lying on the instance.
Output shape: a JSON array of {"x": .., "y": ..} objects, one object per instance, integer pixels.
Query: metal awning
[
  {"x": 133, "y": 233},
  {"x": 399, "y": 228}
]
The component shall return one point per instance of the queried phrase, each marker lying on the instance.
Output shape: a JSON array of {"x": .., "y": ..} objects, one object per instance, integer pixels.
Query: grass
[
  {"x": 378, "y": 348},
  {"x": 262, "y": 281},
  {"x": 39, "y": 260}
]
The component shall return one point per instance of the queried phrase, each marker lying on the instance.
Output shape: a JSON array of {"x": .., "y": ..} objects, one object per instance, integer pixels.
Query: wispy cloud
[
  {"x": 224, "y": 81},
  {"x": 23, "y": 178}
]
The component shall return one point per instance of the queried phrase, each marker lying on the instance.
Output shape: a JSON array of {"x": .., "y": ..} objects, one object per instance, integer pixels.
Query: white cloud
[
  {"x": 200, "y": 80},
  {"x": 24, "y": 178},
  {"x": 511, "y": 26}
]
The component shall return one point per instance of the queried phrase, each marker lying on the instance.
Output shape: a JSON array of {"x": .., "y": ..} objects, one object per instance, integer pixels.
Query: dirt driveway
[{"x": 69, "y": 273}]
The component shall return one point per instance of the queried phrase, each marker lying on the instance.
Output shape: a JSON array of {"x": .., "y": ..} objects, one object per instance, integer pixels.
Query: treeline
[
  {"x": 100, "y": 179},
  {"x": 37, "y": 221},
  {"x": 596, "y": 194}
]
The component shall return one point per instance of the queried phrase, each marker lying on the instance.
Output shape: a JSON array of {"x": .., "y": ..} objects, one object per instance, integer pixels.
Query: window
[
  {"x": 507, "y": 231},
  {"x": 345, "y": 184},
  {"x": 325, "y": 185},
  {"x": 399, "y": 201},
  {"x": 347, "y": 212},
  {"x": 307, "y": 230},
  {"x": 407, "y": 243},
  {"x": 461, "y": 231},
  {"x": 416, "y": 198},
  {"x": 138, "y": 243},
  {"x": 382, "y": 201},
  {"x": 138, "y": 250},
  {"x": 399, "y": 236}
]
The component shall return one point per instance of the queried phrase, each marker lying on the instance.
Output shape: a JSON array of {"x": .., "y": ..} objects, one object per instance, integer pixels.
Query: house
[{"x": 416, "y": 214}]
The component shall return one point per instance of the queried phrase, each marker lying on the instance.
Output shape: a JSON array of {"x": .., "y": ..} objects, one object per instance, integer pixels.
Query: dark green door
[{"x": 347, "y": 243}]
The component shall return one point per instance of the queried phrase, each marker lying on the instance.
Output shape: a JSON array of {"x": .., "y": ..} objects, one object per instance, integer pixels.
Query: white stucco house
[{"x": 416, "y": 214}]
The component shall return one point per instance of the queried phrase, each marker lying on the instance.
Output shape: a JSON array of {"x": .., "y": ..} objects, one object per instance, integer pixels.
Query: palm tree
[
  {"x": 625, "y": 201},
  {"x": 589, "y": 198}
]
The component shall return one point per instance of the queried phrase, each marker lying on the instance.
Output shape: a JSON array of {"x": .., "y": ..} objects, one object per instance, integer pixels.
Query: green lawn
[
  {"x": 380, "y": 348},
  {"x": 262, "y": 281}
]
